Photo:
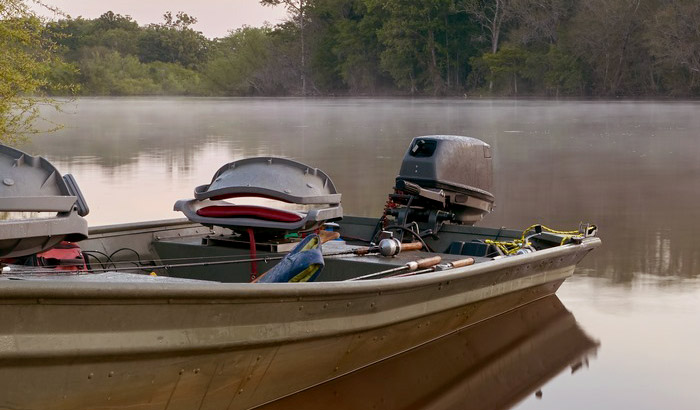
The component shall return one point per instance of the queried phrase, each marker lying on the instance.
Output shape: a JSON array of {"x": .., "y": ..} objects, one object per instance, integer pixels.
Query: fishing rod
[
  {"x": 361, "y": 251},
  {"x": 439, "y": 267},
  {"x": 410, "y": 266},
  {"x": 386, "y": 247}
]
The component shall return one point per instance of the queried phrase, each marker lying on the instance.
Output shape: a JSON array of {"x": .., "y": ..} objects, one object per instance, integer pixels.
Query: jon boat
[{"x": 166, "y": 315}]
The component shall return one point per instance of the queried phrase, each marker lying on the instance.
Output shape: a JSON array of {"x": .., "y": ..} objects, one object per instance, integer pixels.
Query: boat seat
[
  {"x": 279, "y": 179},
  {"x": 30, "y": 185}
]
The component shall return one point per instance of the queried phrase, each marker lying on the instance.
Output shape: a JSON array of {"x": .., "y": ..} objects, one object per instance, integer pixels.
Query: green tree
[
  {"x": 563, "y": 73},
  {"x": 357, "y": 48},
  {"x": 507, "y": 65},
  {"x": 608, "y": 37},
  {"x": 107, "y": 72},
  {"x": 674, "y": 39},
  {"x": 492, "y": 15},
  {"x": 240, "y": 63},
  {"x": 173, "y": 41},
  {"x": 413, "y": 54},
  {"x": 27, "y": 58},
  {"x": 539, "y": 22},
  {"x": 298, "y": 10}
]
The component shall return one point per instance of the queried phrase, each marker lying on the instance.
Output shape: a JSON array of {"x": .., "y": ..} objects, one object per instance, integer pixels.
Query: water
[{"x": 633, "y": 168}]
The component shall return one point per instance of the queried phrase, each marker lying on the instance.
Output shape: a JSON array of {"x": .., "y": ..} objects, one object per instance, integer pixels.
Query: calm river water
[{"x": 632, "y": 168}]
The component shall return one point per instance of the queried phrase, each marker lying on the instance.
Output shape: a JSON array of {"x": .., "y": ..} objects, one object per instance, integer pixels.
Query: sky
[{"x": 215, "y": 17}]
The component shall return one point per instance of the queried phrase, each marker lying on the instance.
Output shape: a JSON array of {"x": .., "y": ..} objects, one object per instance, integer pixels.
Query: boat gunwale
[{"x": 244, "y": 292}]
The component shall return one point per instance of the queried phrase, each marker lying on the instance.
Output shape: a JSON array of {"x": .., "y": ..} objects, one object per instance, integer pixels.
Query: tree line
[{"x": 605, "y": 48}]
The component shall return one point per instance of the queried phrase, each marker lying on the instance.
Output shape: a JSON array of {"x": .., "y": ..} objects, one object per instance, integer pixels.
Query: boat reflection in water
[{"x": 490, "y": 365}]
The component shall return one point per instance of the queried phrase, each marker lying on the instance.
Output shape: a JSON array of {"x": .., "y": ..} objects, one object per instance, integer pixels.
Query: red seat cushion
[{"x": 248, "y": 211}]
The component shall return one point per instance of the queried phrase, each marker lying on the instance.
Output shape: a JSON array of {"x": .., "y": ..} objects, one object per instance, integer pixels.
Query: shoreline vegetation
[{"x": 395, "y": 48}]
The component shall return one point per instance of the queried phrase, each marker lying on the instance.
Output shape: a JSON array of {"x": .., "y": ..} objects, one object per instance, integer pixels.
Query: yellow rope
[
  {"x": 510, "y": 247},
  {"x": 507, "y": 247},
  {"x": 544, "y": 228}
]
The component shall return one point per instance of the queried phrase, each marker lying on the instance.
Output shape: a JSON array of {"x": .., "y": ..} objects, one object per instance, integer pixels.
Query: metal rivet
[
  {"x": 90, "y": 376},
  {"x": 8, "y": 181},
  {"x": 110, "y": 374}
]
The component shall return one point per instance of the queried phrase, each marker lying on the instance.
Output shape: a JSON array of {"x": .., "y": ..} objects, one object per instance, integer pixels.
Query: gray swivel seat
[
  {"x": 31, "y": 184},
  {"x": 310, "y": 193}
]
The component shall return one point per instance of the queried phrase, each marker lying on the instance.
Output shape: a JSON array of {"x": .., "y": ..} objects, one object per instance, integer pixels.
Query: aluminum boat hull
[{"x": 84, "y": 345}]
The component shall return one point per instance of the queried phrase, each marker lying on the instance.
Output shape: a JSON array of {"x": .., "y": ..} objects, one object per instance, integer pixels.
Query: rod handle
[
  {"x": 361, "y": 251},
  {"x": 423, "y": 263},
  {"x": 411, "y": 246},
  {"x": 462, "y": 262}
]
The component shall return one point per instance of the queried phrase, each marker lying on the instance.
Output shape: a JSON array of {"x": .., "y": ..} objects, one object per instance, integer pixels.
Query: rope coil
[{"x": 511, "y": 247}]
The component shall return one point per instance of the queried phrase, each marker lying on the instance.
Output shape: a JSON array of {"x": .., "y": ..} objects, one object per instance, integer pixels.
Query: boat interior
[{"x": 268, "y": 219}]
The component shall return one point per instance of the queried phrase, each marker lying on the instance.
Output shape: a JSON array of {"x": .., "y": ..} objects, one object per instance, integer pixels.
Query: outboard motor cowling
[{"x": 450, "y": 173}]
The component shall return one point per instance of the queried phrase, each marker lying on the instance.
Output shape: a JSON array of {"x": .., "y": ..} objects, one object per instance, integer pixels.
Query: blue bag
[{"x": 302, "y": 264}]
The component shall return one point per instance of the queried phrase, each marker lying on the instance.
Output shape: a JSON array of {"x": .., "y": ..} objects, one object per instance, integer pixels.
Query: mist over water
[{"x": 632, "y": 168}]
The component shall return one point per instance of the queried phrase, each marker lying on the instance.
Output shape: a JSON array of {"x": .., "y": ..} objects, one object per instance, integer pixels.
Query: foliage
[
  {"x": 173, "y": 42},
  {"x": 238, "y": 63},
  {"x": 413, "y": 54},
  {"x": 106, "y": 72},
  {"x": 673, "y": 35},
  {"x": 330, "y": 47},
  {"x": 28, "y": 68},
  {"x": 492, "y": 16},
  {"x": 607, "y": 36},
  {"x": 507, "y": 65},
  {"x": 298, "y": 12},
  {"x": 357, "y": 48}
]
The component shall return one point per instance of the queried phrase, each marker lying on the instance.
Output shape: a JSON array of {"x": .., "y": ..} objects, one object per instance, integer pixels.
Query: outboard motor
[{"x": 443, "y": 179}]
